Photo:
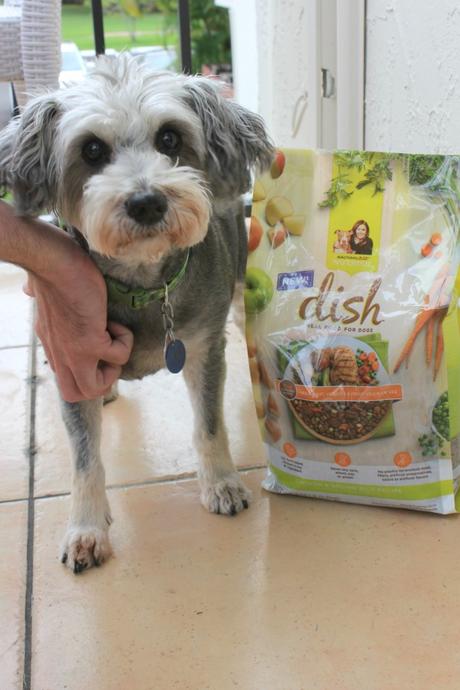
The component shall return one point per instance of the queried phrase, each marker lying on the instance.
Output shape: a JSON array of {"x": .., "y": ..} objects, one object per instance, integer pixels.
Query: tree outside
[{"x": 132, "y": 23}]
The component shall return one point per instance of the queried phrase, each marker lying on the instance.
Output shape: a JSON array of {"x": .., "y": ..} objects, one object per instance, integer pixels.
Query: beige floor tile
[
  {"x": 13, "y": 538},
  {"x": 14, "y": 466},
  {"x": 293, "y": 594},
  {"x": 15, "y": 307},
  {"x": 147, "y": 432}
]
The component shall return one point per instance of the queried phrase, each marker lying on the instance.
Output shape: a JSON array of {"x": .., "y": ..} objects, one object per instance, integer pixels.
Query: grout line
[
  {"x": 12, "y": 347},
  {"x": 252, "y": 468},
  {"x": 26, "y": 681},
  {"x": 58, "y": 494},
  {"x": 185, "y": 477},
  {"x": 4, "y": 501}
]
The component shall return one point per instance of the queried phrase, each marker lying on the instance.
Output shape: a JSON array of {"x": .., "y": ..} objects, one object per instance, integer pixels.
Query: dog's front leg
[
  {"x": 222, "y": 490},
  {"x": 86, "y": 542}
]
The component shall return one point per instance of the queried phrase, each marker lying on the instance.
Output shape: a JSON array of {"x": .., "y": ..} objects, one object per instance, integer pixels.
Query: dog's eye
[
  {"x": 95, "y": 152},
  {"x": 169, "y": 142}
]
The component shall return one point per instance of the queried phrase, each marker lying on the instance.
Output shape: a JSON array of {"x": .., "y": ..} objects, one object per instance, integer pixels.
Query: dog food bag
[{"x": 351, "y": 296}]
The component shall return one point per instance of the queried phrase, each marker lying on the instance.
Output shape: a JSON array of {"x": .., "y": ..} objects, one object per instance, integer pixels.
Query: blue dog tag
[{"x": 175, "y": 356}]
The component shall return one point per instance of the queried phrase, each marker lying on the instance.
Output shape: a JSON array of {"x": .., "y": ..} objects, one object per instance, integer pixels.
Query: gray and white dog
[{"x": 150, "y": 168}]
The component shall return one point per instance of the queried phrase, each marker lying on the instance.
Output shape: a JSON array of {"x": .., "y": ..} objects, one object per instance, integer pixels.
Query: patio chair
[{"x": 30, "y": 45}]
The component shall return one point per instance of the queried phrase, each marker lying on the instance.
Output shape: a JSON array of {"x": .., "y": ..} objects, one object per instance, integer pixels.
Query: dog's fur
[
  {"x": 342, "y": 245},
  {"x": 41, "y": 160}
]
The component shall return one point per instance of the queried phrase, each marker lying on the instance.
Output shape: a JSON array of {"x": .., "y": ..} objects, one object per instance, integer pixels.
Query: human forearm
[
  {"x": 84, "y": 351},
  {"x": 36, "y": 246},
  {"x": 20, "y": 240}
]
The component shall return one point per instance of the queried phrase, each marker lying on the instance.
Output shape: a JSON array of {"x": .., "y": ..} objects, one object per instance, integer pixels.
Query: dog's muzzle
[{"x": 146, "y": 208}]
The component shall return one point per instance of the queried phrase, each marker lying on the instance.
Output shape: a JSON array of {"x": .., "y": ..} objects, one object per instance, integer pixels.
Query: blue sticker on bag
[{"x": 295, "y": 280}]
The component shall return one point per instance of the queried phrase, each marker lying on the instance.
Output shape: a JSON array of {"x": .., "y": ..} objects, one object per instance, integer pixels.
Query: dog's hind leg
[
  {"x": 222, "y": 490},
  {"x": 86, "y": 542}
]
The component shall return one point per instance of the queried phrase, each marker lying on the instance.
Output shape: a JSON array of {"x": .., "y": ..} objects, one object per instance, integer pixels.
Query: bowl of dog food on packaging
[{"x": 329, "y": 365}]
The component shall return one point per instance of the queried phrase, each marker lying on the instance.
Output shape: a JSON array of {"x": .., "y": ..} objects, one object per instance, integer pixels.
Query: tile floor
[{"x": 293, "y": 594}]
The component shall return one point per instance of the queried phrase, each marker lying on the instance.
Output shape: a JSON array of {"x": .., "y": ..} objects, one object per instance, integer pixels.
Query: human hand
[{"x": 85, "y": 352}]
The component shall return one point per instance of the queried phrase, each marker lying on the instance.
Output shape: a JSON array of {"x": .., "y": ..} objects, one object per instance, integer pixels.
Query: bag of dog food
[{"x": 353, "y": 335}]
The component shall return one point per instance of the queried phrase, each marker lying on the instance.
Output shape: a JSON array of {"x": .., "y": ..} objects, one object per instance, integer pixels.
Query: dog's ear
[
  {"x": 7, "y": 136},
  {"x": 27, "y": 158},
  {"x": 236, "y": 139}
]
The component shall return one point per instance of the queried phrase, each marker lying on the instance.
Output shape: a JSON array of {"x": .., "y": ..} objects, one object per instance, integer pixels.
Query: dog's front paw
[
  {"x": 84, "y": 547},
  {"x": 227, "y": 496}
]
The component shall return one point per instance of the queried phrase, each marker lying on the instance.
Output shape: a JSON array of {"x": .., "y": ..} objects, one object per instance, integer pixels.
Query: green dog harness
[{"x": 138, "y": 298}]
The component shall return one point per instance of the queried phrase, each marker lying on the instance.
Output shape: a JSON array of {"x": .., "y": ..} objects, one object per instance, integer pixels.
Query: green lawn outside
[{"x": 77, "y": 26}]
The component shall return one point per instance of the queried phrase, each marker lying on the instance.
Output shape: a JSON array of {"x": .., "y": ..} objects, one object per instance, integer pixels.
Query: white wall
[
  {"x": 287, "y": 59},
  {"x": 413, "y": 71},
  {"x": 413, "y": 75},
  {"x": 272, "y": 63},
  {"x": 277, "y": 59}
]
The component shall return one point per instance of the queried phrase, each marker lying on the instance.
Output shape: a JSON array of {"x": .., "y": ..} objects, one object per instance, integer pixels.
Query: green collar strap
[{"x": 138, "y": 298}]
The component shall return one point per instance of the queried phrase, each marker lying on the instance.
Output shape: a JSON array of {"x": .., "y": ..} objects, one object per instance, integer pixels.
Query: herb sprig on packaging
[{"x": 421, "y": 169}]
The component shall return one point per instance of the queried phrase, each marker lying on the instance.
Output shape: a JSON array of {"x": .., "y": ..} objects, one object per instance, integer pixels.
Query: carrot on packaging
[
  {"x": 439, "y": 347},
  {"x": 429, "y": 341},
  {"x": 426, "y": 250},
  {"x": 422, "y": 319}
]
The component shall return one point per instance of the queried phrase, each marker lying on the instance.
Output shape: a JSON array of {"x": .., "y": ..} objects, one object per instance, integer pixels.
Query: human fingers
[
  {"x": 93, "y": 379},
  {"x": 119, "y": 350},
  {"x": 108, "y": 374},
  {"x": 27, "y": 288},
  {"x": 68, "y": 388}
]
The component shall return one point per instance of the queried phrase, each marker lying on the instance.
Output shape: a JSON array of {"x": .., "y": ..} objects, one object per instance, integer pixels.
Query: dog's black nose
[{"x": 146, "y": 208}]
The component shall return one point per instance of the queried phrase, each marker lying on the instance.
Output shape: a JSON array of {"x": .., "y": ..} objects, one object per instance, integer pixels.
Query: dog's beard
[{"x": 110, "y": 231}]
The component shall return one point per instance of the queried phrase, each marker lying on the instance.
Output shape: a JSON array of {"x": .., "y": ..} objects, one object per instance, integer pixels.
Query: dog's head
[
  {"x": 343, "y": 237},
  {"x": 133, "y": 159}
]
